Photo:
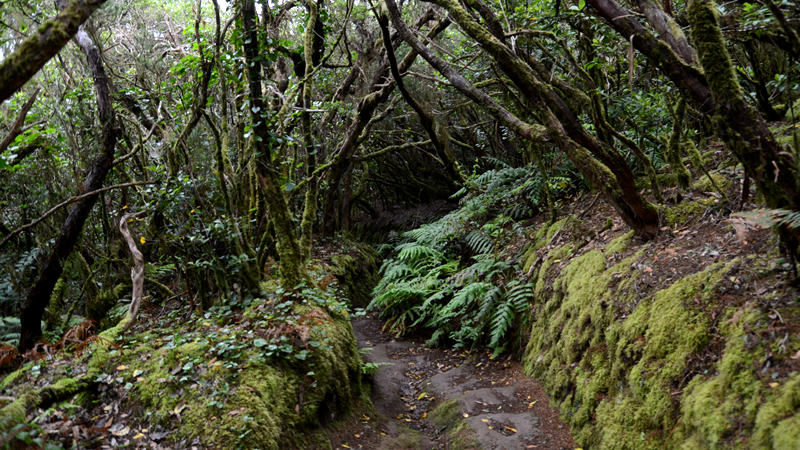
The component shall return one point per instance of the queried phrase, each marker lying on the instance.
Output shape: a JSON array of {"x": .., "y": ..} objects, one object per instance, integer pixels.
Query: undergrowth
[{"x": 448, "y": 276}]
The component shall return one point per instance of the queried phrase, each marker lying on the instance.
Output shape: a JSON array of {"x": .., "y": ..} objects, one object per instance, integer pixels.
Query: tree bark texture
[{"x": 137, "y": 271}]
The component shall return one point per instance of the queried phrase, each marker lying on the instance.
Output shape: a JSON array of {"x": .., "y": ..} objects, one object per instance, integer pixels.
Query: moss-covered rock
[
  {"x": 684, "y": 211},
  {"x": 358, "y": 274},
  {"x": 705, "y": 185}
]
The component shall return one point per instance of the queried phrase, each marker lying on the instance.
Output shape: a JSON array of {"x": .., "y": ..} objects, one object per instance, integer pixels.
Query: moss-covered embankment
[
  {"x": 263, "y": 377},
  {"x": 637, "y": 359}
]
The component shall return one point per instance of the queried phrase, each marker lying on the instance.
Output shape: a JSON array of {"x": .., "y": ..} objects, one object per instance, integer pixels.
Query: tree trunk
[
  {"x": 292, "y": 267},
  {"x": 740, "y": 126},
  {"x": 39, "y": 295}
]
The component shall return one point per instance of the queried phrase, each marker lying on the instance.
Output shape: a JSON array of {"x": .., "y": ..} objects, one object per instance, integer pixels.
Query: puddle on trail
[{"x": 488, "y": 404}]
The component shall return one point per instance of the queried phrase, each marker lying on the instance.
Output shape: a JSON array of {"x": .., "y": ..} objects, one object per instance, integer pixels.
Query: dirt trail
[{"x": 488, "y": 404}]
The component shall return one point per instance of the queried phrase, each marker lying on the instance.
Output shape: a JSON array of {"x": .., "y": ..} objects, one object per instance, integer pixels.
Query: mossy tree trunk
[
  {"x": 738, "y": 123},
  {"x": 291, "y": 265},
  {"x": 32, "y": 54}
]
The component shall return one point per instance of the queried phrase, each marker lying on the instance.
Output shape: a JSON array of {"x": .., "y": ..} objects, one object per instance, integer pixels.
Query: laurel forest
[{"x": 200, "y": 200}]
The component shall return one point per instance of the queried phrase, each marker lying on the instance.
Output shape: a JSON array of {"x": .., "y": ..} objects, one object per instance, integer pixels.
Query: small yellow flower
[{"x": 142, "y": 240}]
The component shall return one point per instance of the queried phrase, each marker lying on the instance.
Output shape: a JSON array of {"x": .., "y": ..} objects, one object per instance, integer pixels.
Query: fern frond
[
  {"x": 479, "y": 242},
  {"x": 520, "y": 296},
  {"x": 501, "y": 322}
]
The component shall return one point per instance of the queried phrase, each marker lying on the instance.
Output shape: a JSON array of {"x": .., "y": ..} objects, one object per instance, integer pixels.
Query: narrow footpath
[{"x": 444, "y": 399}]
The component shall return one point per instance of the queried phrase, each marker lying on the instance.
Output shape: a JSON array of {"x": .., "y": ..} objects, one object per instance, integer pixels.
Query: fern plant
[
  {"x": 9, "y": 330},
  {"x": 477, "y": 303}
]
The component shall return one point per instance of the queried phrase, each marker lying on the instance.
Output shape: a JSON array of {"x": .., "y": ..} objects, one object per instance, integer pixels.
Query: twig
[
  {"x": 591, "y": 205},
  {"x": 65, "y": 203}
]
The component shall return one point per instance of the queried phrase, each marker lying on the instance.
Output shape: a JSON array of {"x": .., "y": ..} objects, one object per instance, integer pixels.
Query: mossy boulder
[{"x": 679, "y": 214}]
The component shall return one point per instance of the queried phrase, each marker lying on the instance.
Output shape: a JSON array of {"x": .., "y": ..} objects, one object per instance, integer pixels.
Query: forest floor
[{"x": 424, "y": 397}]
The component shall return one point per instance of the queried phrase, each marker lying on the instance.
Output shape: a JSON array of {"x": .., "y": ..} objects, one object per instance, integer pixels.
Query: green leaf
[{"x": 260, "y": 343}]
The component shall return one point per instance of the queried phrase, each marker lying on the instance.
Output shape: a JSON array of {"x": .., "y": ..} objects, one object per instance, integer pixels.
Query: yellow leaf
[
  {"x": 122, "y": 367},
  {"x": 511, "y": 429},
  {"x": 485, "y": 420},
  {"x": 141, "y": 240},
  {"x": 466, "y": 415},
  {"x": 139, "y": 436},
  {"x": 125, "y": 207},
  {"x": 421, "y": 396},
  {"x": 774, "y": 385},
  {"x": 137, "y": 372}
]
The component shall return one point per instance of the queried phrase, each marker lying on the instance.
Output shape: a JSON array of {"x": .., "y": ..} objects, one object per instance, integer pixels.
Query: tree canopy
[{"x": 232, "y": 136}]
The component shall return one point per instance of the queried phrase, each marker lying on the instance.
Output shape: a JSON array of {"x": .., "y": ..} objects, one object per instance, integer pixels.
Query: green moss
[
  {"x": 52, "y": 314},
  {"x": 620, "y": 244},
  {"x": 679, "y": 214},
  {"x": 407, "y": 438},
  {"x": 283, "y": 399},
  {"x": 10, "y": 378},
  {"x": 358, "y": 275},
  {"x": 98, "y": 307},
  {"x": 796, "y": 109},
  {"x": 705, "y": 185},
  {"x": 609, "y": 358},
  {"x": 447, "y": 416},
  {"x": 545, "y": 233}
]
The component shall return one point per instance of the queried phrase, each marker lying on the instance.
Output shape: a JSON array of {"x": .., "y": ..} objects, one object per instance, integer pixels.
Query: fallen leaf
[
  {"x": 774, "y": 385},
  {"x": 485, "y": 420},
  {"x": 466, "y": 415},
  {"x": 139, "y": 436},
  {"x": 122, "y": 367},
  {"x": 421, "y": 396},
  {"x": 120, "y": 431},
  {"x": 796, "y": 355},
  {"x": 511, "y": 429},
  {"x": 357, "y": 435},
  {"x": 137, "y": 372}
]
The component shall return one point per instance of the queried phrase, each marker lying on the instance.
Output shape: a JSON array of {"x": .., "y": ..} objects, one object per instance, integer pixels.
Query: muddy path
[{"x": 442, "y": 399}]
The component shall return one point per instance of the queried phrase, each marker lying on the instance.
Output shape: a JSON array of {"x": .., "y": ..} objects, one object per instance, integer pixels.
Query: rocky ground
[{"x": 442, "y": 399}]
